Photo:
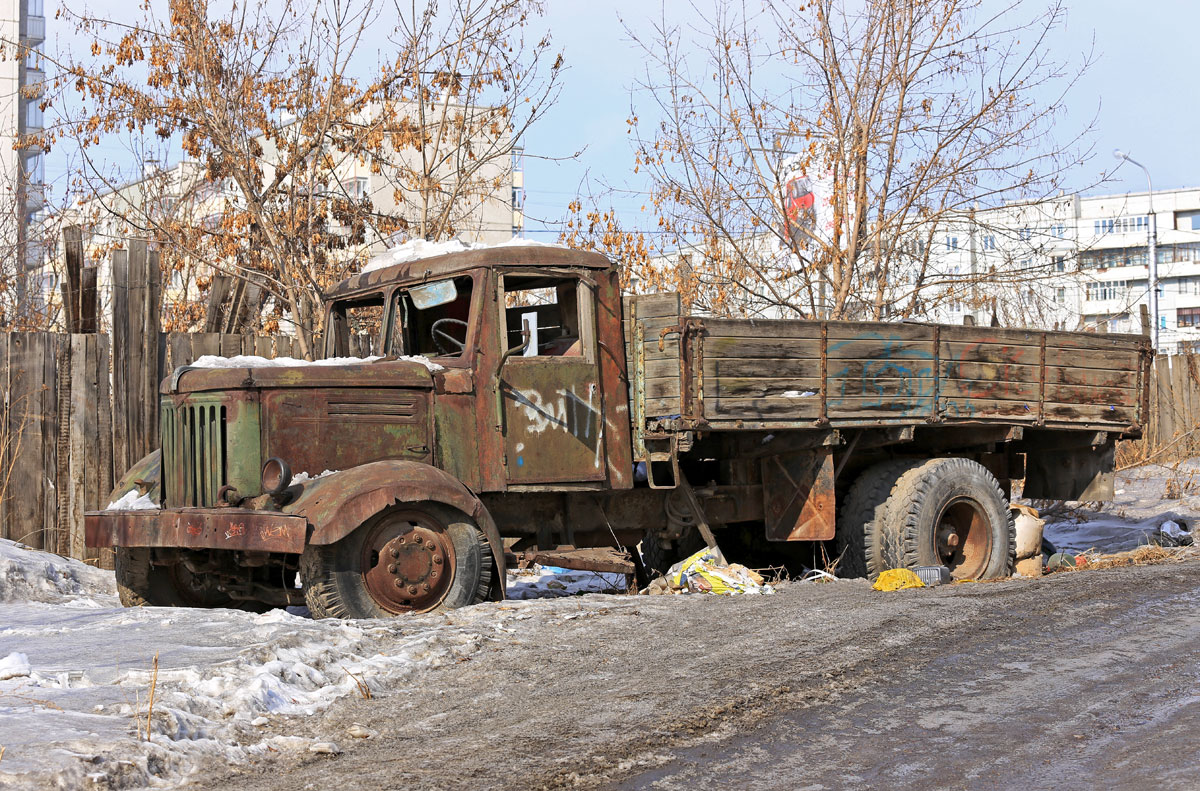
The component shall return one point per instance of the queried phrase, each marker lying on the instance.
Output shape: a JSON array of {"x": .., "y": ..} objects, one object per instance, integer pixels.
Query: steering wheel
[{"x": 440, "y": 335}]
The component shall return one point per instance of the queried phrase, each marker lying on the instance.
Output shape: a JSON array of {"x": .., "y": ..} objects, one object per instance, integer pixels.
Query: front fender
[
  {"x": 145, "y": 476},
  {"x": 337, "y": 503}
]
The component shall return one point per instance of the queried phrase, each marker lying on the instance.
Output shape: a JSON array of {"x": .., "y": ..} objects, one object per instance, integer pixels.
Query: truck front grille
[{"x": 194, "y": 441}]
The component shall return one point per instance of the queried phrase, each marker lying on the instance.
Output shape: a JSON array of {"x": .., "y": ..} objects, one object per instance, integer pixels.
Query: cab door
[{"x": 549, "y": 379}]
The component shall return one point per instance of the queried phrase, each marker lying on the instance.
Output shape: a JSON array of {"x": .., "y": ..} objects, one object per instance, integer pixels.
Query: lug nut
[
  {"x": 392, "y": 569},
  {"x": 417, "y": 539},
  {"x": 396, "y": 552},
  {"x": 437, "y": 559},
  {"x": 401, "y": 541},
  {"x": 412, "y": 589},
  {"x": 952, "y": 540},
  {"x": 433, "y": 575},
  {"x": 399, "y": 584},
  {"x": 426, "y": 586}
]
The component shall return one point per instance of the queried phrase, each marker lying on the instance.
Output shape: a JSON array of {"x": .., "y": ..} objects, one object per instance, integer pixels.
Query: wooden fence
[
  {"x": 66, "y": 436},
  {"x": 1172, "y": 433}
]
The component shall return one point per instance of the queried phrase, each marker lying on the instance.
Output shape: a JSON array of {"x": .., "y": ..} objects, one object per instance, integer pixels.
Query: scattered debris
[
  {"x": 897, "y": 579},
  {"x": 359, "y": 732},
  {"x": 933, "y": 575},
  {"x": 324, "y": 748},
  {"x": 1171, "y": 534},
  {"x": 707, "y": 571}
]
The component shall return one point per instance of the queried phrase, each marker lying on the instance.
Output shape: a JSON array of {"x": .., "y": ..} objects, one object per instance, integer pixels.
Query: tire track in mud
[{"x": 611, "y": 692}]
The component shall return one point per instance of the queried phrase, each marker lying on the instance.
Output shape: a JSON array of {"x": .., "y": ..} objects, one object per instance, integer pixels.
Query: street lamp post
[{"x": 1153, "y": 232}]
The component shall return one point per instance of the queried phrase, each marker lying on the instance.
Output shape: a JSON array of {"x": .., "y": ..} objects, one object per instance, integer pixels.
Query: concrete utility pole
[{"x": 1153, "y": 232}]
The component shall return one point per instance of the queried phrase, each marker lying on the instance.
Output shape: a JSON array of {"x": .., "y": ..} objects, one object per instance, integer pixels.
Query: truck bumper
[{"x": 186, "y": 528}]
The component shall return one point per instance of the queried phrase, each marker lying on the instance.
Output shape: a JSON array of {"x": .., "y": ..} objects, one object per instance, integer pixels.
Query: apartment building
[
  {"x": 181, "y": 193},
  {"x": 22, "y": 168},
  {"x": 1077, "y": 262}
]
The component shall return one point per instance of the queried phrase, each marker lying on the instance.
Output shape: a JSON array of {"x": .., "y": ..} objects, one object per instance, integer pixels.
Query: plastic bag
[
  {"x": 707, "y": 571},
  {"x": 897, "y": 579}
]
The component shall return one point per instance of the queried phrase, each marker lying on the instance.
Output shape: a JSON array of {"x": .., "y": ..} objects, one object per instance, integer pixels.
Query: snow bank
[
  {"x": 252, "y": 361},
  {"x": 76, "y": 669},
  {"x": 29, "y": 575},
  {"x": 132, "y": 501},
  {"x": 416, "y": 249}
]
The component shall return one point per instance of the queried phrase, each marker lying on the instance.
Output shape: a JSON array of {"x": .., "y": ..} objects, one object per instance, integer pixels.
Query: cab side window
[
  {"x": 356, "y": 327},
  {"x": 555, "y": 311}
]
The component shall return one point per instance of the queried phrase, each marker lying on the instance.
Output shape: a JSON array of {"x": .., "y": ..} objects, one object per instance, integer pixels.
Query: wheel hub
[
  {"x": 962, "y": 539},
  {"x": 409, "y": 564}
]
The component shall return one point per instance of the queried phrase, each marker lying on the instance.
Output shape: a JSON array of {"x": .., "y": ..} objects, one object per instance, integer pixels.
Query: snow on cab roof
[{"x": 420, "y": 259}]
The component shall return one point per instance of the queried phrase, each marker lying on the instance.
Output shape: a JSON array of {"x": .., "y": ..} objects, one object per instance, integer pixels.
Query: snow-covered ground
[{"x": 76, "y": 671}]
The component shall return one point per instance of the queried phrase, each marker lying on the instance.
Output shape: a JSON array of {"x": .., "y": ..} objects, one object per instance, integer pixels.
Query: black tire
[
  {"x": 864, "y": 542},
  {"x": 342, "y": 580},
  {"x": 658, "y": 559},
  {"x": 142, "y": 584},
  {"x": 952, "y": 512}
]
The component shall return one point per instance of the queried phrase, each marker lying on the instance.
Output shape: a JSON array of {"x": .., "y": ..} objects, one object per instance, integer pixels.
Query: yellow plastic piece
[{"x": 897, "y": 579}]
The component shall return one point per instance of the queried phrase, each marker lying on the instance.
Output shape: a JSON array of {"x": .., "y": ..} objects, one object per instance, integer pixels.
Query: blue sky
[{"x": 1140, "y": 86}]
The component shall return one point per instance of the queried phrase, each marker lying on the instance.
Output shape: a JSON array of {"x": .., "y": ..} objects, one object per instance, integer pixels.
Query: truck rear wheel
[
  {"x": 143, "y": 584},
  {"x": 952, "y": 512},
  {"x": 413, "y": 559},
  {"x": 866, "y": 542}
]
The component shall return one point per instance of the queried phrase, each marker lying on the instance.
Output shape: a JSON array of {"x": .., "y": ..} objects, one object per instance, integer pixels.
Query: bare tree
[
  {"x": 308, "y": 145},
  {"x": 806, "y": 160}
]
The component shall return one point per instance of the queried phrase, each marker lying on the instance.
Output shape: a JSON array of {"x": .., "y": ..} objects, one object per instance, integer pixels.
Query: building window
[
  {"x": 989, "y": 242},
  {"x": 1026, "y": 234},
  {"x": 951, "y": 242},
  {"x": 1060, "y": 296},
  {"x": 1059, "y": 262},
  {"x": 1058, "y": 231}
]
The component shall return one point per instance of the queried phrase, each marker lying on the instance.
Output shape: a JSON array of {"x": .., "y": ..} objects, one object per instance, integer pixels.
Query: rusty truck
[{"x": 517, "y": 407}]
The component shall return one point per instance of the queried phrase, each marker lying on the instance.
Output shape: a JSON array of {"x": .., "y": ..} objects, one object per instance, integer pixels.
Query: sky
[{"x": 1137, "y": 88}]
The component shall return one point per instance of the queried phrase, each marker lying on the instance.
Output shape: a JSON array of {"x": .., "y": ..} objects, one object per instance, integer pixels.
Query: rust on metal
[
  {"x": 599, "y": 559},
  {"x": 799, "y": 496},
  {"x": 197, "y": 528},
  {"x": 408, "y": 561}
]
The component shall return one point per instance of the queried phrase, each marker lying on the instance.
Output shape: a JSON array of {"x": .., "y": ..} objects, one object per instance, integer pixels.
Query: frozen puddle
[{"x": 76, "y": 670}]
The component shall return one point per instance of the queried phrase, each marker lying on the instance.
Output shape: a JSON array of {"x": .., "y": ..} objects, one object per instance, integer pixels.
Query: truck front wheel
[
  {"x": 413, "y": 559},
  {"x": 952, "y": 512}
]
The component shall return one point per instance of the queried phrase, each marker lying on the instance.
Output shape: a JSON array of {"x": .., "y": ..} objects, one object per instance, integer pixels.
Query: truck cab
[{"x": 445, "y": 379}]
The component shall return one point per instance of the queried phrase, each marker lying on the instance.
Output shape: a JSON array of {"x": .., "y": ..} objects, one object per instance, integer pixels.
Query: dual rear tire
[{"x": 936, "y": 512}]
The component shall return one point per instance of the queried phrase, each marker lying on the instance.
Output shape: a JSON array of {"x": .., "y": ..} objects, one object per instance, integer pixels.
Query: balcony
[
  {"x": 32, "y": 115},
  {"x": 35, "y": 197},
  {"x": 33, "y": 29},
  {"x": 34, "y": 83}
]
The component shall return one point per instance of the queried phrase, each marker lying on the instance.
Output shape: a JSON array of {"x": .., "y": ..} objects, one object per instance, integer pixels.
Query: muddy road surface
[{"x": 1079, "y": 680}]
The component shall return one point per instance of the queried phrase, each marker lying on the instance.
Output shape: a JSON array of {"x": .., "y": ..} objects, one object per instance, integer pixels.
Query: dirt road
[{"x": 1080, "y": 680}]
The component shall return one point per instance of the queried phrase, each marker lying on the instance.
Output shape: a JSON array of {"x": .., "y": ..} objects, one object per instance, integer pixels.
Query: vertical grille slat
[{"x": 194, "y": 448}]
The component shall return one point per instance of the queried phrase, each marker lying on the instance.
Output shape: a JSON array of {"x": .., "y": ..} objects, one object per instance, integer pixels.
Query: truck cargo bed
[{"x": 731, "y": 374}]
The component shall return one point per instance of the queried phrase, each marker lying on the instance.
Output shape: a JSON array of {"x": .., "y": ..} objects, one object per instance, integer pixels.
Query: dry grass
[
  {"x": 363, "y": 689},
  {"x": 150, "y": 706},
  {"x": 1148, "y": 555}
]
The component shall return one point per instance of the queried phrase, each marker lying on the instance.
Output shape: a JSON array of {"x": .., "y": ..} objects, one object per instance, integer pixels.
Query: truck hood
[{"x": 380, "y": 373}]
